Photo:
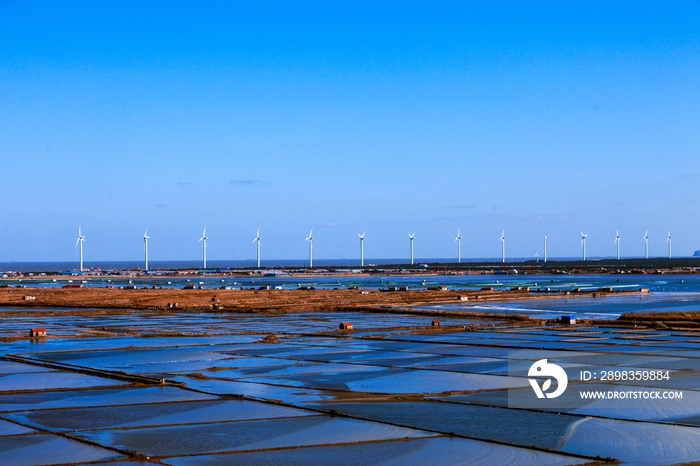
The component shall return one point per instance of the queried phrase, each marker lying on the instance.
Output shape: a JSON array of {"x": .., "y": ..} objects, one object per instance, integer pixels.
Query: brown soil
[{"x": 276, "y": 301}]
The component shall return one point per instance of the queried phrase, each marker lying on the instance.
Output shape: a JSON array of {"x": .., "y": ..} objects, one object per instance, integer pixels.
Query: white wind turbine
[
  {"x": 81, "y": 240},
  {"x": 537, "y": 254},
  {"x": 459, "y": 245},
  {"x": 503, "y": 246},
  {"x": 545, "y": 248},
  {"x": 583, "y": 244},
  {"x": 668, "y": 240},
  {"x": 310, "y": 239},
  {"x": 257, "y": 239},
  {"x": 362, "y": 248},
  {"x": 617, "y": 241},
  {"x": 646, "y": 245},
  {"x": 145, "y": 246},
  {"x": 411, "y": 236},
  {"x": 203, "y": 239}
]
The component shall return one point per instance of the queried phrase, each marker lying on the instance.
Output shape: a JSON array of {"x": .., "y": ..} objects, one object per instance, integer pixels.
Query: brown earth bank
[
  {"x": 263, "y": 300},
  {"x": 662, "y": 320}
]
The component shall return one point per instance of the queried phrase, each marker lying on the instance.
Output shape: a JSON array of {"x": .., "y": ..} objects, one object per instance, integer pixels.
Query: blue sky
[{"x": 543, "y": 119}]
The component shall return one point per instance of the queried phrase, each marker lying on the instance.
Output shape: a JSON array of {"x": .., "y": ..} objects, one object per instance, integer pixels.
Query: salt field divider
[{"x": 121, "y": 376}]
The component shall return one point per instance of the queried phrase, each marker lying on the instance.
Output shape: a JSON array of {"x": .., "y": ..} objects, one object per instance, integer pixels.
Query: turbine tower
[
  {"x": 583, "y": 244},
  {"x": 362, "y": 248},
  {"x": 646, "y": 245},
  {"x": 257, "y": 239},
  {"x": 503, "y": 246},
  {"x": 668, "y": 240},
  {"x": 545, "y": 248},
  {"x": 459, "y": 246},
  {"x": 145, "y": 246},
  {"x": 310, "y": 239},
  {"x": 617, "y": 241},
  {"x": 203, "y": 239},
  {"x": 411, "y": 236},
  {"x": 81, "y": 240}
]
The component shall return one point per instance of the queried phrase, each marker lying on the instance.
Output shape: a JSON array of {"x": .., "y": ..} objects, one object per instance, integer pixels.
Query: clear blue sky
[{"x": 394, "y": 117}]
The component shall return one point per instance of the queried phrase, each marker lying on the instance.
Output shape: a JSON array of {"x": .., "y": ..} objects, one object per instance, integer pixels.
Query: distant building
[
  {"x": 37, "y": 332},
  {"x": 345, "y": 326}
]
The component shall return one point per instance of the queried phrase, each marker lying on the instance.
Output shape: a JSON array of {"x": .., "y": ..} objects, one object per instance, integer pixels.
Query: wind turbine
[
  {"x": 537, "y": 254},
  {"x": 203, "y": 239},
  {"x": 668, "y": 240},
  {"x": 646, "y": 245},
  {"x": 310, "y": 239},
  {"x": 81, "y": 240},
  {"x": 362, "y": 248},
  {"x": 545, "y": 248},
  {"x": 411, "y": 236},
  {"x": 459, "y": 245},
  {"x": 145, "y": 246},
  {"x": 617, "y": 241},
  {"x": 503, "y": 246},
  {"x": 583, "y": 244},
  {"x": 257, "y": 239}
]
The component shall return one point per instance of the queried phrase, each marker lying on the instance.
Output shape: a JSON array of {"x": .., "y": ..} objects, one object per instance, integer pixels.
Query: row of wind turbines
[{"x": 411, "y": 237}]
